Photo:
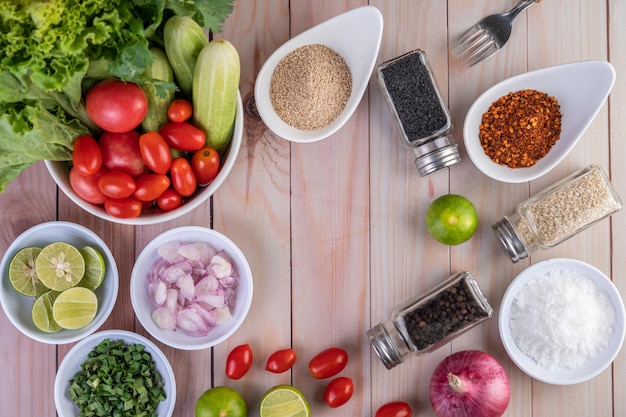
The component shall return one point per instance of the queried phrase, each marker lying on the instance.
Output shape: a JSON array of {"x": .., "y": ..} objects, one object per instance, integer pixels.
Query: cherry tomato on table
[
  {"x": 205, "y": 164},
  {"x": 170, "y": 200},
  {"x": 183, "y": 136},
  {"x": 86, "y": 186},
  {"x": 120, "y": 152},
  {"x": 151, "y": 186},
  {"x": 182, "y": 176},
  {"x": 124, "y": 208},
  {"x": 155, "y": 152},
  {"x": 338, "y": 392},
  {"x": 116, "y": 106},
  {"x": 86, "y": 155},
  {"x": 117, "y": 184},
  {"x": 328, "y": 363},
  {"x": 239, "y": 361},
  {"x": 281, "y": 360},
  {"x": 394, "y": 409},
  {"x": 179, "y": 110}
]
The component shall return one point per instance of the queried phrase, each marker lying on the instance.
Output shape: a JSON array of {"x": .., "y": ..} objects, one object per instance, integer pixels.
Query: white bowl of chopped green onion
[{"x": 90, "y": 375}]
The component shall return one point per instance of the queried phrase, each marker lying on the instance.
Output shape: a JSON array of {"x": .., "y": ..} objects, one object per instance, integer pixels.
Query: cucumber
[
  {"x": 161, "y": 70},
  {"x": 183, "y": 39},
  {"x": 215, "y": 89}
]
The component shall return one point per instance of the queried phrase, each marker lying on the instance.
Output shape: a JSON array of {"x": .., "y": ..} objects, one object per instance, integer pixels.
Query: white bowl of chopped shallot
[{"x": 191, "y": 288}]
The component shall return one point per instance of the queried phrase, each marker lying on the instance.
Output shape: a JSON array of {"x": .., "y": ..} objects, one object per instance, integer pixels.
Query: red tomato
[
  {"x": 120, "y": 152},
  {"x": 155, "y": 152},
  {"x": 179, "y": 110},
  {"x": 281, "y": 361},
  {"x": 183, "y": 136},
  {"x": 394, "y": 409},
  {"x": 86, "y": 187},
  {"x": 183, "y": 179},
  {"x": 328, "y": 363},
  {"x": 117, "y": 184},
  {"x": 86, "y": 156},
  {"x": 205, "y": 164},
  {"x": 338, "y": 392},
  {"x": 151, "y": 186},
  {"x": 123, "y": 208},
  {"x": 116, "y": 106},
  {"x": 239, "y": 361},
  {"x": 169, "y": 200}
]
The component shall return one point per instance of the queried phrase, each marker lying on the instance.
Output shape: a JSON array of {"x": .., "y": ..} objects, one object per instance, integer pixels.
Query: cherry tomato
[
  {"x": 86, "y": 156},
  {"x": 328, "y": 363},
  {"x": 169, "y": 200},
  {"x": 281, "y": 361},
  {"x": 86, "y": 186},
  {"x": 179, "y": 110},
  {"x": 394, "y": 409},
  {"x": 155, "y": 152},
  {"x": 183, "y": 179},
  {"x": 338, "y": 391},
  {"x": 120, "y": 152},
  {"x": 117, "y": 184},
  {"x": 151, "y": 186},
  {"x": 116, "y": 106},
  {"x": 183, "y": 136},
  {"x": 205, "y": 164},
  {"x": 239, "y": 361},
  {"x": 124, "y": 208}
]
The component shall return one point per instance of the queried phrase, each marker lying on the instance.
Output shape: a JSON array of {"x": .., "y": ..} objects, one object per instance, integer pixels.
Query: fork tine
[
  {"x": 471, "y": 38},
  {"x": 488, "y": 53},
  {"x": 476, "y": 48},
  {"x": 469, "y": 35}
]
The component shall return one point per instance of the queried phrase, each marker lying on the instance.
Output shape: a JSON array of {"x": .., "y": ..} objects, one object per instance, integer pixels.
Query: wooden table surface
[{"x": 334, "y": 231}]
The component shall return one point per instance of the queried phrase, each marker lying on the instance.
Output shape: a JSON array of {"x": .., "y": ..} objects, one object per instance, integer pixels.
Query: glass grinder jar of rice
[{"x": 558, "y": 212}]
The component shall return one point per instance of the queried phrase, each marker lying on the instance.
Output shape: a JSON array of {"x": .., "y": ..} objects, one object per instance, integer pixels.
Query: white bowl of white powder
[{"x": 562, "y": 321}]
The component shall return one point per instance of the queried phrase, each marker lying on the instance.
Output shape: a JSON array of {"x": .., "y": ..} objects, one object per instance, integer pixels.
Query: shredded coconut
[{"x": 561, "y": 319}]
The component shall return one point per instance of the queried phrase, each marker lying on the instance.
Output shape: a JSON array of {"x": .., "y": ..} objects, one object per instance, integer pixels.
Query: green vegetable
[
  {"x": 117, "y": 380},
  {"x": 184, "y": 39},
  {"x": 215, "y": 87},
  {"x": 160, "y": 70}
]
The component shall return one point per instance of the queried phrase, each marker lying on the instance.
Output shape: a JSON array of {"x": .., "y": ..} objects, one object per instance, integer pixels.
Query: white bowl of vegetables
[
  {"x": 105, "y": 356},
  {"x": 191, "y": 288}
]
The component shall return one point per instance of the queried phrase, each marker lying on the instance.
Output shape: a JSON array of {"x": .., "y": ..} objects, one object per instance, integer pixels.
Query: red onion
[{"x": 470, "y": 383}]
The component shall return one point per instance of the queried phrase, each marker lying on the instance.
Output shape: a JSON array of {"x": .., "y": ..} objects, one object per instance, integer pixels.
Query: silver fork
[{"x": 488, "y": 36}]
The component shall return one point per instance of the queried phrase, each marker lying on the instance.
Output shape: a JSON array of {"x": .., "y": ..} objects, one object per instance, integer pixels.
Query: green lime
[
  {"x": 22, "y": 272},
  {"x": 221, "y": 402},
  {"x": 94, "y": 268},
  {"x": 75, "y": 308},
  {"x": 284, "y": 401},
  {"x": 451, "y": 219},
  {"x": 42, "y": 312},
  {"x": 60, "y": 266}
]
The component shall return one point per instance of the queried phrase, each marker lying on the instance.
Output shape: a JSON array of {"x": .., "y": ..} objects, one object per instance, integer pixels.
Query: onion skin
[{"x": 469, "y": 383}]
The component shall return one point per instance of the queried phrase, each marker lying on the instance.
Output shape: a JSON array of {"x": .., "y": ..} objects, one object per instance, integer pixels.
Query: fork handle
[{"x": 520, "y": 7}]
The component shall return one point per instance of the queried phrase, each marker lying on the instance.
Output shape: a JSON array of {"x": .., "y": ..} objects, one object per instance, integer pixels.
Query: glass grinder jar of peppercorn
[{"x": 427, "y": 322}]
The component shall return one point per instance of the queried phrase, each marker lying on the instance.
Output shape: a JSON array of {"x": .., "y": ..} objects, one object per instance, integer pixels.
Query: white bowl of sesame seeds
[{"x": 311, "y": 85}]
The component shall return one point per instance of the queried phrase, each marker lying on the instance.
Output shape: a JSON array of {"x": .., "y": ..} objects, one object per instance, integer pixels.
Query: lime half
[
  {"x": 75, "y": 308},
  {"x": 94, "y": 268},
  {"x": 42, "y": 312},
  {"x": 60, "y": 266},
  {"x": 22, "y": 272},
  {"x": 284, "y": 401},
  {"x": 219, "y": 402}
]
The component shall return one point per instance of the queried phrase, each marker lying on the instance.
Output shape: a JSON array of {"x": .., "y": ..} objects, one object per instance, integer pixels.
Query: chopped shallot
[{"x": 192, "y": 286}]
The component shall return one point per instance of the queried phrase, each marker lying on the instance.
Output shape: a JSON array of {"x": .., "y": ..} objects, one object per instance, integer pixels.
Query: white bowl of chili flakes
[{"x": 578, "y": 90}]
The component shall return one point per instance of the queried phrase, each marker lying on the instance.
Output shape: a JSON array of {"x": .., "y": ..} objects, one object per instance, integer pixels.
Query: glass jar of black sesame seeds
[
  {"x": 427, "y": 322},
  {"x": 411, "y": 93}
]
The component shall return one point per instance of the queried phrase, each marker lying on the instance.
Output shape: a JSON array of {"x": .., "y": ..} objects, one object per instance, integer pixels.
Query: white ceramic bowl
[
  {"x": 18, "y": 307},
  {"x": 60, "y": 173},
  {"x": 144, "y": 305},
  {"x": 78, "y": 354},
  {"x": 581, "y": 88},
  {"x": 355, "y": 35},
  {"x": 591, "y": 367}
]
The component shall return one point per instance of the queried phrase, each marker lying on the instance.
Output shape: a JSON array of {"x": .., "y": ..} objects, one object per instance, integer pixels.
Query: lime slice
[
  {"x": 284, "y": 401},
  {"x": 42, "y": 312},
  {"x": 60, "y": 266},
  {"x": 75, "y": 308},
  {"x": 22, "y": 272},
  {"x": 94, "y": 268}
]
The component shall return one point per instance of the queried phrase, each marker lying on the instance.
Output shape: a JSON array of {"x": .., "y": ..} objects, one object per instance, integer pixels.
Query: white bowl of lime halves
[{"x": 354, "y": 35}]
